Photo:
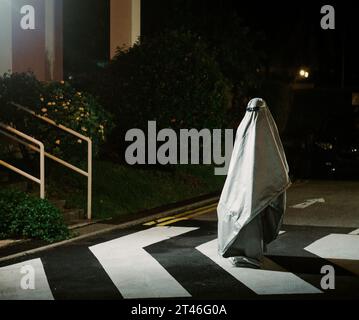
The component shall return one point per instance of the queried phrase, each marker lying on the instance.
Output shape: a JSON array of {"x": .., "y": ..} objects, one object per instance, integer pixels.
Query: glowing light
[{"x": 303, "y": 73}]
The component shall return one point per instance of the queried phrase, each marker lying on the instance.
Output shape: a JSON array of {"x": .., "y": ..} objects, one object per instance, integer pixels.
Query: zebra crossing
[
  {"x": 137, "y": 274},
  {"x": 181, "y": 261}
]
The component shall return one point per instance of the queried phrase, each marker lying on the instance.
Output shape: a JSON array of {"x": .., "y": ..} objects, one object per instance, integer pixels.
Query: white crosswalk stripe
[
  {"x": 356, "y": 232},
  {"x": 308, "y": 203},
  {"x": 262, "y": 282},
  {"x": 12, "y": 276},
  {"x": 136, "y": 273},
  {"x": 336, "y": 246}
]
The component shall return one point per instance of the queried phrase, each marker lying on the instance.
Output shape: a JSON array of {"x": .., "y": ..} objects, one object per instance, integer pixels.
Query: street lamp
[{"x": 303, "y": 73}]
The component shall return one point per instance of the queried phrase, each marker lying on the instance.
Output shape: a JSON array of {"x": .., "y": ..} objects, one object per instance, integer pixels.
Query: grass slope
[{"x": 122, "y": 190}]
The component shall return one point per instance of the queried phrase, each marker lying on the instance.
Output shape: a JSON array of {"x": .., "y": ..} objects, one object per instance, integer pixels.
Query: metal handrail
[
  {"x": 40, "y": 149},
  {"x": 87, "y": 174}
]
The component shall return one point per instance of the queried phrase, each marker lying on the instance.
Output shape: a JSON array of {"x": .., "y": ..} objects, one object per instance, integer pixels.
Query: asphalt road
[
  {"x": 177, "y": 257},
  {"x": 341, "y": 207}
]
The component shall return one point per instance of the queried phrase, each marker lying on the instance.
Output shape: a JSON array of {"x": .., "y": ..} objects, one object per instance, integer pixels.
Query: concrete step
[
  {"x": 76, "y": 224},
  {"x": 73, "y": 214},
  {"x": 20, "y": 186},
  {"x": 60, "y": 204}
]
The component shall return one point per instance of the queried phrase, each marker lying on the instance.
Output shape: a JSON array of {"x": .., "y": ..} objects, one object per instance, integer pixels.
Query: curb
[{"x": 124, "y": 225}]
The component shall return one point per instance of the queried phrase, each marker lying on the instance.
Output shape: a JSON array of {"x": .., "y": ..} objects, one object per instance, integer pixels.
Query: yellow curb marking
[
  {"x": 182, "y": 216},
  {"x": 204, "y": 211}
]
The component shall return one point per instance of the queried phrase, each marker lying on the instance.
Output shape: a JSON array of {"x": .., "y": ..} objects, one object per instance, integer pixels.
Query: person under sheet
[{"x": 253, "y": 200}]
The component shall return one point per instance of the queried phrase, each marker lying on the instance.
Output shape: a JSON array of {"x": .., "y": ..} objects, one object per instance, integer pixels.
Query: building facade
[{"x": 31, "y": 37}]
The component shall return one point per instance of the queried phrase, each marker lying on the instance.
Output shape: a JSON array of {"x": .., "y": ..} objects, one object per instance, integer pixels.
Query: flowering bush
[
  {"x": 60, "y": 102},
  {"x": 74, "y": 109}
]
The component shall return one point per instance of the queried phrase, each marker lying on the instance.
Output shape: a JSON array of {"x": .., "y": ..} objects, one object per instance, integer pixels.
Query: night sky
[{"x": 290, "y": 31}]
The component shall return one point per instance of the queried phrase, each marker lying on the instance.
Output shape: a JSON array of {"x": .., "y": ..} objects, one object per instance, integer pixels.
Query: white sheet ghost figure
[{"x": 252, "y": 204}]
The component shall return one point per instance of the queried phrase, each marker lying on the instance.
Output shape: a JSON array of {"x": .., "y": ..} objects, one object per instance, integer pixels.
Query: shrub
[
  {"x": 239, "y": 50},
  {"x": 171, "y": 78},
  {"x": 22, "y": 88},
  {"x": 9, "y": 200},
  {"x": 235, "y": 47},
  {"x": 25, "y": 216},
  {"x": 279, "y": 97},
  {"x": 60, "y": 102}
]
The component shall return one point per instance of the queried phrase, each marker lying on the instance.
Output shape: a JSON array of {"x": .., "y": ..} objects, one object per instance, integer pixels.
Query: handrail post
[
  {"x": 41, "y": 180},
  {"x": 42, "y": 171},
  {"x": 89, "y": 180}
]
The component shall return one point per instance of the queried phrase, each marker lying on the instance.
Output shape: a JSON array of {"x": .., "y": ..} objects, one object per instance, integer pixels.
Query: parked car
[
  {"x": 336, "y": 155},
  {"x": 331, "y": 151}
]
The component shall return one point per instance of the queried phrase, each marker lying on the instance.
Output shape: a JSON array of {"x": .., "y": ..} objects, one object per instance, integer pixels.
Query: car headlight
[
  {"x": 324, "y": 145},
  {"x": 352, "y": 150}
]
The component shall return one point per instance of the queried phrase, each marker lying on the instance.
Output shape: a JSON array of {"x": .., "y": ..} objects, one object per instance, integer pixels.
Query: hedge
[{"x": 24, "y": 216}]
